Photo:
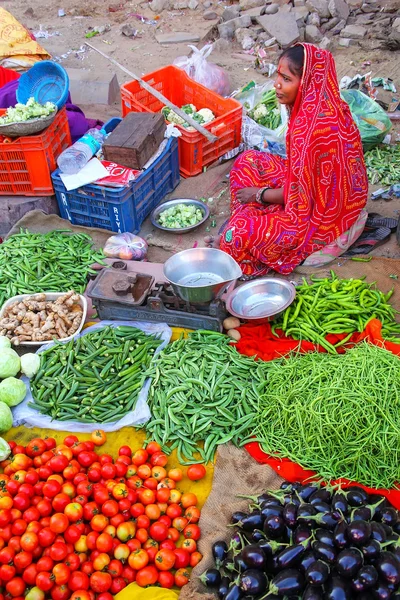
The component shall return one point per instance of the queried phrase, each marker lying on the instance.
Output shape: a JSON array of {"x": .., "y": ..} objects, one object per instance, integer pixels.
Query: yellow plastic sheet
[
  {"x": 135, "y": 592},
  {"x": 17, "y": 49}
]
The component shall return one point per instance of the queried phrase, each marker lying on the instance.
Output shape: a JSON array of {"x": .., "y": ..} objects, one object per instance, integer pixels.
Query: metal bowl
[
  {"x": 261, "y": 299},
  {"x": 199, "y": 275},
  {"x": 159, "y": 209},
  {"x": 30, "y": 127}
]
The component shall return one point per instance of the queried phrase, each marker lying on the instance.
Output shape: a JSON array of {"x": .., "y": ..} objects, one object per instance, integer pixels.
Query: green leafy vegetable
[
  {"x": 12, "y": 391},
  {"x": 6, "y": 419},
  {"x": 10, "y": 363},
  {"x": 180, "y": 216}
]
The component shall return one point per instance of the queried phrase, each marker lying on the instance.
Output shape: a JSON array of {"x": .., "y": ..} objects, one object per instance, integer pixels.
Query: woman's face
[{"x": 286, "y": 84}]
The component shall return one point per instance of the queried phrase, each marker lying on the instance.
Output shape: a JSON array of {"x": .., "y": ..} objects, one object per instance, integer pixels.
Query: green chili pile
[
  {"x": 95, "y": 378},
  {"x": 200, "y": 392},
  {"x": 334, "y": 305},
  {"x": 337, "y": 415},
  {"x": 383, "y": 164},
  {"x": 57, "y": 261}
]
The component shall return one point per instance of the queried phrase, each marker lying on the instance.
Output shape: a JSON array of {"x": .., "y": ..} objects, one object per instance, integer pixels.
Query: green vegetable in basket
[
  {"x": 180, "y": 216},
  {"x": 12, "y": 391},
  {"x": 21, "y": 113},
  {"x": 267, "y": 112}
]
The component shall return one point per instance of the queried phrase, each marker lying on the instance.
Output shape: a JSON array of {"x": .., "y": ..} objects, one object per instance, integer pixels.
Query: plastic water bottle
[{"x": 74, "y": 158}]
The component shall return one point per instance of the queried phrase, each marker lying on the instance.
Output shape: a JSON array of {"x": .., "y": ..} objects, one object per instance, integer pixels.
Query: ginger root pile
[{"x": 37, "y": 320}]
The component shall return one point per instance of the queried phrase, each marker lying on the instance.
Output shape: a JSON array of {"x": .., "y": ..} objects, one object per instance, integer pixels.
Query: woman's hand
[{"x": 247, "y": 195}]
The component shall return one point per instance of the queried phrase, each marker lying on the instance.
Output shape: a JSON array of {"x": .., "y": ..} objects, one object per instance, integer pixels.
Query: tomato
[
  {"x": 29, "y": 541},
  {"x": 166, "y": 579},
  {"x": 50, "y": 442},
  {"x": 46, "y": 537},
  {"x": 78, "y": 447},
  {"x": 12, "y": 487},
  {"x": 16, "y": 587},
  {"x": 5, "y": 533},
  {"x": 58, "y": 551},
  {"x": 7, "y": 572},
  {"x": 87, "y": 567},
  {"x": 126, "y": 531},
  {"x": 129, "y": 574},
  {"x": 89, "y": 445},
  {"x": 105, "y": 596},
  {"x": 20, "y": 462},
  {"x": 22, "y": 560},
  {"x": 142, "y": 535},
  {"x": 58, "y": 463},
  {"x": 115, "y": 568},
  {"x": 74, "y": 512},
  {"x": 182, "y": 558},
  {"x": 72, "y": 561},
  {"x": 78, "y": 581},
  {"x": 188, "y": 499},
  {"x": 61, "y": 574},
  {"x": 159, "y": 473},
  {"x": 181, "y": 577},
  {"x": 99, "y": 522},
  {"x": 175, "y": 474},
  {"x": 100, "y": 494},
  {"x": 45, "y": 564},
  {"x": 117, "y": 584},
  {"x": 44, "y": 581},
  {"x": 94, "y": 474},
  {"x": 44, "y": 473},
  {"x": 29, "y": 574},
  {"x": 68, "y": 489},
  {"x": 165, "y": 559},
  {"x": 120, "y": 468},
  {"x": 174, "y": 511},
  {"x": 146, "y": 496},
  {"x": 144, "y": 471},
  {"x": 125, "y": 451},
  {"x": 195, "y": 558},
  {"x": 81, "y": 499},
  {"x": 158, "y": 531},
  {"x": 5, "y": 516},
  {"x": 60, "y": 592},
  {"x": 166, "y": 520},
  {"x": 131, "y": 471},
  {"x": 159, "y": 459},
  {"x": 105, "y": 459},
  {"x": 70, "y": 440},
  {"x": 64, "y": 450},
  {"x": 147, "y": 576},
  {"x": 192, "y": 531},
  {"x": 27, "y": 488},
  {"x": 90, "y": 510},
  {"x": 134, "y": 483},
  {"x": 21, "y": 502},
  {"x": 192, "y": 514},
  {"x": 189, "y": 545},
  {"x": 196, "y": 472},
  {"x": 108, "y": 471},
  {"x": 101, "y": 561},
  {"x": 31, "y": 514},
  {"x": 143, "y": 521},
  {"x": 81, "y": 595},
  {"x": 163, "y": 495},
  {"x": 70, "y": 472},
  {"x": 125, "y": 460},
  {"x": 153, "y": 447},
  {"x": 151, "y": 483},
  {"x": 98, "y": 437},
  {"x": 6, "y": 555},
  {"x": 167, "y": 482},
  {"x": 51, "y": 488},
  {"x": 35, "y": 447},
  {"x": 104, "y": 542},
  {"x": 85, "y": 459},
  {"x": 138, "y": 559},
  {"x": 60, "y": 501},
  {"x": 173, "y": 534},
  {"x": 122, "y": 552},
  {"x": 81, "y": 544},
  {"x": 120, "y": 491},
  {"x": 58, "y": 522},
  {"x": 100, "y": 582}
]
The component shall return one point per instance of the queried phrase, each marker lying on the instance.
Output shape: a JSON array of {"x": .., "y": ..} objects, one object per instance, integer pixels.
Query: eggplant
[
  {"x": 286, "y": 485},
  {"x": 238, "y": 541},
  {"x": 250, "y": 522},
  {"x": 328, "y": 519},
  {"x": 356, "y": 496},
  {"x": 321, "y": 506},
  {"x": 306, "y": 560},
  {"x": 396, "y": 527},
  {"x": 253, "y": 582},
  {"x": 265, "y": 498},
  {"x": 313, "y": 593},
  {"x": 301, "y": 533},
  {"x": 321, "y": 494},
  {"x": 234, "y": 592},
  {"x": 270, "y": 547},
  {"x": 274, "y": 527},
  {"x": 238, "y": 516},
  {"x": 325, "y": 536},
  {"x": 340, "y": 535},
  {"x": 219, "y": 551},
  {"x": 253, "y": 557},
  {"x": 289, "y": 557},
  {"x": 349, "y": 561},
  {"x": 272, "y": 510},
  {"x": 291, "y": 499},
  {"x": 223, "y": 587},
  {"x": 306, "y": 491},
  {"x": 306, "y": 510},
  {"x": 366, "y": 577},
  {"x": 239, "y": 564},
  {"x": 371, "y": 550},
  {"x": 290, "y": 515},
  {"x": 228, "y": 565},
  {"x": 378, "y": 532},
  {"x": 317, "y": 573},
  {"x": 381, "y": 591},
  {"x": 257, "y": 535},
  {"x": 359, "y": 532},
  {"x": 389, "y": 516},
  {"x": 388, "y": 567},
  {"x": 324, "y": 552},
  {"x": 362, "y": 513},
  {"x": 287, "y": 583},
  {"x": 339, "y": 502},
  {"x": 211, "y": 578},
  {"x": 337, "y": 589}
]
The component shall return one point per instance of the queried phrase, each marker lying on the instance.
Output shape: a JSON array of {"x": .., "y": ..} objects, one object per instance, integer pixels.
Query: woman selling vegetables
[{"x": 283, "y": 211}]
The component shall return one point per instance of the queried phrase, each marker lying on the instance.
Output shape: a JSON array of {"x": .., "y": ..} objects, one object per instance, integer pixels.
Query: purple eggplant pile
[{"x": 310, "y": 542}]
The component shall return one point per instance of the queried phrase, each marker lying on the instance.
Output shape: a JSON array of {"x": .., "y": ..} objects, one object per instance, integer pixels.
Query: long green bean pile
[
  {"x": 336, "y": 414},
  {"x": 57, "y": 261},
  {"x": 200, "y": 392},
  {"x": 334, "y": 305},
  {"x": 95, "y": 378},
  {"x": 383, "y": 164}
]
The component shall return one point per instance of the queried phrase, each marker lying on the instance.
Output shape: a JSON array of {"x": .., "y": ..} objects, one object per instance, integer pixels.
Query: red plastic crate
[
  {"x": 26, "y": 163},
  {"x": 195, "y": 151}
]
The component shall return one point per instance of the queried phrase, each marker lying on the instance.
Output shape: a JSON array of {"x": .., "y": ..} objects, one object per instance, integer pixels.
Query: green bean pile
[
  {"x": 334, "y": 305},
  {"x": 95, "y": 378},
  {"x": 200, "y": 392},
  {"x": 383, "y": 164},
  {"x": 337, "y": 415},
  {"x": 57, "y": 261}
]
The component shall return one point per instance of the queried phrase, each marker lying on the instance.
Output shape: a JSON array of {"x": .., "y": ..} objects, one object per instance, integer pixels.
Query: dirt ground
[{"x": 143, "y": 54}]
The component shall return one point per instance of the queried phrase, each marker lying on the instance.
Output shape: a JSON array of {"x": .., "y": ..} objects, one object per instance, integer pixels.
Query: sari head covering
[{"x": 324, "y": 178}]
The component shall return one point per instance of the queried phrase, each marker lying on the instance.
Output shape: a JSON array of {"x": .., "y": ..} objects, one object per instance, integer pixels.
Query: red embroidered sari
[{"x": 324, "y": 179}]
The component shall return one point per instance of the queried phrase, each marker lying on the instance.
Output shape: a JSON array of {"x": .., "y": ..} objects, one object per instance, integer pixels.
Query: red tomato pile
[{"x": 75, "y": 524}]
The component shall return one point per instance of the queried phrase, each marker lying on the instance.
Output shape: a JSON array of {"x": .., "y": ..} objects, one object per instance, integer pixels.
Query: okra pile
[
  {"x": 383, "y": 164},
  {"x": 95, "y": 378},
  {"x": 57, "y": 261}
]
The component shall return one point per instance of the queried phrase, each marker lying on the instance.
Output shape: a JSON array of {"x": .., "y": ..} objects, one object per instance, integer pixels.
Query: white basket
[{"x": 50, "y": 297}]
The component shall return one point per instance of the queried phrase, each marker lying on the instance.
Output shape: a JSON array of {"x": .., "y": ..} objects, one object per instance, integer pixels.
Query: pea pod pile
[
  {"x": 334, "y": 305},
  {"x": 201, "y": 391},
  {"x": 57, "y": 261},
  {"x": 383, "y": 164},
  {"x": 95, "y": 378}
]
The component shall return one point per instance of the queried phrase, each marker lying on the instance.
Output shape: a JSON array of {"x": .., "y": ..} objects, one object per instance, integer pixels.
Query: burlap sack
[{"x": 235, "y": 473}]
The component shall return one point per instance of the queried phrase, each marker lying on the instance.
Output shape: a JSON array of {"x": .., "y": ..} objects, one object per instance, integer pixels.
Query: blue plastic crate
[{"x": 120, "y": 209}]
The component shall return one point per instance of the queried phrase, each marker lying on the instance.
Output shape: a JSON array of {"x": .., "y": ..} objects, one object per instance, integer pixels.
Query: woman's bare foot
[{"x": 247, "y": 195}]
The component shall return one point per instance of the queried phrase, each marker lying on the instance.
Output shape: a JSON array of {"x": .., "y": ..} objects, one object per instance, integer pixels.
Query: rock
[
  {"x": 338, "y": 28},
  {"x": 339, "y": 8},
  {"x": 193, "y": 4},
  {"x": 272, "y": 9},
  {"x": 247, "y": 43},
  {"x": 364, "y": 19},
  {"x": 221, "y": 45},
  {"x": 241, "y": 34},
  {"x": 347, "y": 42},
  {"x": 207, "y": 4},
  {"x": 177, "y": 37},
  {"x": 302, "y": 34},
  {"x": 368, "y": 8},
  {"x": 270, "y": 42},
  {"x": 330, "y": 24},
  {"x": 210, "y": 15},
  {"x": 396, "y": 24},
  {"x": 313, "y": 34},
  {"x": 180, "y": 5},
  {"x": 128, "y": 30},
  {"x": 301, "y": 13},
  {"x": 281, "y": 26},
  {"x": 30, "y": 13},
  {"x": 252, "y": 13},
  {"x": 319, "y": 6},
  {"x": 325, "y": 43},
  {"x": 354, "y": 32},
  {"x": 227, "y": 30},
  {"x": 354, "y": 4},
  {"x": 299, "y": 3},
  {"x": 286, "y": 8},
  {"x": 351, "y": 20},
  {"x": 158, "y": 6},
  {"x": 245, "y": 4},
  {"x": 231, "y": 12},
  {"x": 314, "y": 19}
]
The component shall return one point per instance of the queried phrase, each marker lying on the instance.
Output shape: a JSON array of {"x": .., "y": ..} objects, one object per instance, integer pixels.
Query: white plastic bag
[
  {"x": 126, "y": 246},
  {"x": 211, "y": 76},
  {"x": 24, "y": 415}
]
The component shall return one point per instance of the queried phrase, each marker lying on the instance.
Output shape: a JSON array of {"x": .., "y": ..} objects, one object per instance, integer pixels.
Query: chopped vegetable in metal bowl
[
  {"x": 180, "y": 216},
  {"x": 20, "y": 113}
]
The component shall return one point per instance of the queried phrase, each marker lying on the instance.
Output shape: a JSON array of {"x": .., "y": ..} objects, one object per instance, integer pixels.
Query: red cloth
[
  {"x": 325, "y": 181},
  {"x": 7, "y": 75},
  {"x": 257, "y": 340}
]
